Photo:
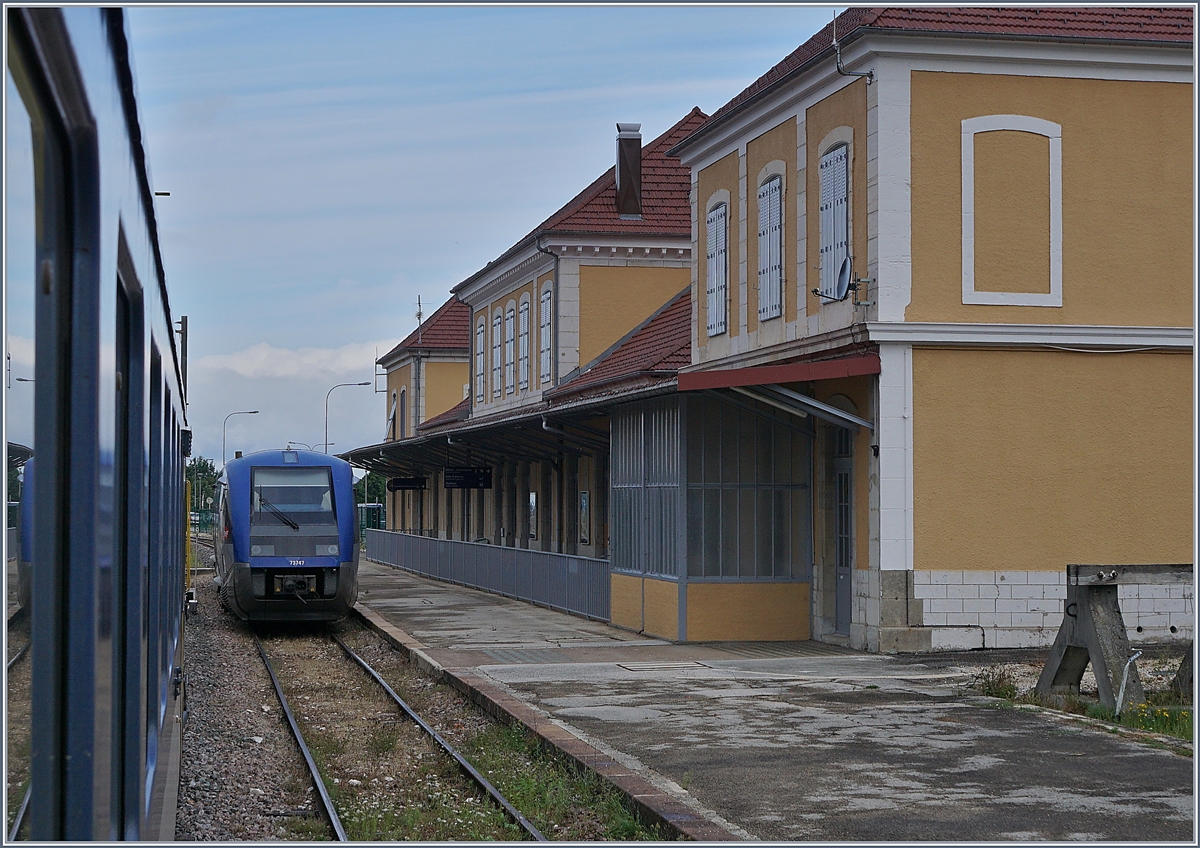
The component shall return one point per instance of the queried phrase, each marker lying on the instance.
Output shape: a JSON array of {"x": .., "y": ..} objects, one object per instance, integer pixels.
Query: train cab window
[{"x": 292, "y": 496}]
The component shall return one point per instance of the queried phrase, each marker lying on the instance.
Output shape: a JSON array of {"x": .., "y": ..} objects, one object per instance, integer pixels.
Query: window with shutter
[
  {"x": 480, "y": 343},
  {"x": 834, "y": 216},
  {"x": 496, "y": 355},
  {"x": 403, "y": 416},
  {"x": 510, "y": 337},
  {"x": 544, "y": 337},
  {"x": 770, "y": 249},
  {"x": 523, "y": 358},
  {"x": 717, "y": 282}
]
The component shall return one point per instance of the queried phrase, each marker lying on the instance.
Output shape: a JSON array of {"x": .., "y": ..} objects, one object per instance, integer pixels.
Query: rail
[{"x": 573, "y": 584}]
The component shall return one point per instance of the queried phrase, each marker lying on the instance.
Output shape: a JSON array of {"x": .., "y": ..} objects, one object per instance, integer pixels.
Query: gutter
[{"x": 554, "y": 319}]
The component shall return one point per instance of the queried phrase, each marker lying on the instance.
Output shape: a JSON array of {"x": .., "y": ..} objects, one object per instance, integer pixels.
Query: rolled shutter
[
  {"x": 545, "y": 336},
  {"x": 496, "y": 389},
  {"x": 716, "y": 282},
  {"x": 480, "y": 333},
  {"x": 834, "y": 217},
  {"x": 770, "y": 249},
  {"x": 523, "y": 377}
]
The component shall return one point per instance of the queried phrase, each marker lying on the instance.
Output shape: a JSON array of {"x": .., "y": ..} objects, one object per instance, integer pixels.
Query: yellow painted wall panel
[
  {"x": 747, "y": 611},
  {"x": 662, "y": 608},
  {"x": 845, "y": 108},
  {"x": 613, "y": 299},
  {"x": 1012, "y": 212},
  {"x": 722, "y": 174},
  {"x": 1127, "y": 177},
  {"x": 444, "y": 386},
  {"x": 776, "y": 143},
  {"x": 1031, "y": 460},
  {"x": 625, "y": 601}
]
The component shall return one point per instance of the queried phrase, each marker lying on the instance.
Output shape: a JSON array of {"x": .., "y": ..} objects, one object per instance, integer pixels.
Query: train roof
[{"x": 242, "y": 465}]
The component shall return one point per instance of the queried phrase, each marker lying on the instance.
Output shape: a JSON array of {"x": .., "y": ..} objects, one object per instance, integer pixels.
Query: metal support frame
[{"x": 1093, "y": 631}]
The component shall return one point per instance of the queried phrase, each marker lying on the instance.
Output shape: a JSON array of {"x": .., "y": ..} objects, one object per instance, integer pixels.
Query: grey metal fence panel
[{"x": 574, "y": 584}]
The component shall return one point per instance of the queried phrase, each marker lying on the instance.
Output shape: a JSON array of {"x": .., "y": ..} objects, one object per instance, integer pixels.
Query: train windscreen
[{"x": 292, "y": 496}]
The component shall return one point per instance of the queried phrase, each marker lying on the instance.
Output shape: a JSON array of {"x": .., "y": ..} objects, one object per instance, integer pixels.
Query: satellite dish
[{"x": 843, "y": 279}]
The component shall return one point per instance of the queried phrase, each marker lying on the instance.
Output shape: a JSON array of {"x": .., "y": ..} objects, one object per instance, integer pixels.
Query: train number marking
[{"x": 296, "y": 562}]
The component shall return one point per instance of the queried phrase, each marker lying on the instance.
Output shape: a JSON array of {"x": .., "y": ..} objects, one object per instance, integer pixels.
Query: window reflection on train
[{"x": 95, "y": 395}]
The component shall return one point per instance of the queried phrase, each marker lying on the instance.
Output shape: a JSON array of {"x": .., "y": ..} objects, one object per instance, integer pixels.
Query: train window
[
  {"x": 20, "y": 256},
  {"x": 292, "y": 496}
]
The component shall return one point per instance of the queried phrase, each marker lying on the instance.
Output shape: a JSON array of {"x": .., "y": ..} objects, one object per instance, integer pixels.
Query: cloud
[{"x": 262, "y": 361}]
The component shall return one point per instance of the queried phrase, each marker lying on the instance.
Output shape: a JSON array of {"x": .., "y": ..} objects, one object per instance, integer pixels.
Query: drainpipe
[{"x": 554, "y": 318}]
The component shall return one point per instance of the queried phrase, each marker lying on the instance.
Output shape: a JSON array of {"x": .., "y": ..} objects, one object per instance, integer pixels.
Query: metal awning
[{"x": 796, "y": 403}]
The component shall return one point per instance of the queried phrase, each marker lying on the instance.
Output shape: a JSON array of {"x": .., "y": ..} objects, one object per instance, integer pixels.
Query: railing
[{"x": 574, "y": 584}]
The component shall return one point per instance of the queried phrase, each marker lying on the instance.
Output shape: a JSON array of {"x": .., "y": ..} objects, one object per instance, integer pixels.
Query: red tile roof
[
  {"x": 666, "y": 184},
  {"x": 449, "y": 328},
  {"x": 666, "y": 202},
  {"x": 1058, "y": 23},
  {"x": 456, "y": 413},
  {"x": 656, "y": 349}
]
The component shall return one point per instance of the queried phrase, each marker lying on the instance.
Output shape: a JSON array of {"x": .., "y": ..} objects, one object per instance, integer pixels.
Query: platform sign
[
  {"x": 466, "y": 477},
  {"x": 403, "y": 484}
]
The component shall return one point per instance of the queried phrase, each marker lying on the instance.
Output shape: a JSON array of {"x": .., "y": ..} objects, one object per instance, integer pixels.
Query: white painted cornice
[
  {"x": 1032, "y": 335},
  {"x": 514, "y": 272}
]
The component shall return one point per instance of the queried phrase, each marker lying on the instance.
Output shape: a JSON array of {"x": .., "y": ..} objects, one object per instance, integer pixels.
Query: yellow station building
[{"x": 935, "y": 344}]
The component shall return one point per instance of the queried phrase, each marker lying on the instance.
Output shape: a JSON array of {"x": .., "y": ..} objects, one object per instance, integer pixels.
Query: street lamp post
[
  {"x": 327, "y": 394},
  {"x": 226, "y": 421},
  {"x": 302, "y": 444}
]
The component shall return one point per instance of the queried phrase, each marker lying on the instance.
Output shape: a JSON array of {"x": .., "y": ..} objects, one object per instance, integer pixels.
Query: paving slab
[{"x": 789, "y": 741}]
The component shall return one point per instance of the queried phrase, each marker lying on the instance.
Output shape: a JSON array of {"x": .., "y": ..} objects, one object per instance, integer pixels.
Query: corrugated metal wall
[{"x": 646, "y": 481}]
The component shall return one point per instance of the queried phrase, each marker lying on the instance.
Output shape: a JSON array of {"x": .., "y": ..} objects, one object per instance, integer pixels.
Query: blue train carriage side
[
  {"x": 287, "y": 537},
  {"x": 99, "y": 396}
]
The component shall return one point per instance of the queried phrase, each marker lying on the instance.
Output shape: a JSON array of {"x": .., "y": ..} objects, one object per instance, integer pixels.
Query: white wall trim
[
  {"x": 895, "y": 440},
  {"x": 1016, "y": 123},
  {"x": 1032, "y": 335},
  {"x": 893, "y": 287}
]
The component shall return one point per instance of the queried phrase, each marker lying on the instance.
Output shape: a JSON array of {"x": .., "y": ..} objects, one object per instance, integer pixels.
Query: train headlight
[
  {"x": 262, "y": 550},
  {"x": 327, "y": 550}
]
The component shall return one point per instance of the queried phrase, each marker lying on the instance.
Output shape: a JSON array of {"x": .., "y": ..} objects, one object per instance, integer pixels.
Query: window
[
  {"x": 403, "y": 418},
  {"x": 718, "y": 269},
  {"x": 510, "y": 343},
  {"x": 496, "y": 354},
  {"x": 523, "y": 376},
  {"x": 291, "y": 496},
  {"x": 835, "y": 217},
  {"x": 544, "y": 336},
  {"x": 770, "y": 249},
  {"x": 390, "y": 433},
  {"x": 480, "y": 336}
]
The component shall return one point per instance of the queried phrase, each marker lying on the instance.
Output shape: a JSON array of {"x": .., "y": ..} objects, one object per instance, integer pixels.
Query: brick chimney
[{"x": 629, "y": 170}]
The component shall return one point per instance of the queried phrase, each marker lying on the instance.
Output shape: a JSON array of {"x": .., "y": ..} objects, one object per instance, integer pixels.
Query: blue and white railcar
[{"x": 287, "y": 537}]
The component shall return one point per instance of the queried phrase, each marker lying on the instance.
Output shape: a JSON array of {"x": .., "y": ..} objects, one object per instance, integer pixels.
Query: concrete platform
[{"x": 786, "y": 741}]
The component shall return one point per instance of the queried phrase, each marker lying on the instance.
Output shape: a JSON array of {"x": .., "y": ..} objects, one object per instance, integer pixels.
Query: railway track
[
  {"x": 18, "y": 710},
  {"x": 370, "y": 719}
]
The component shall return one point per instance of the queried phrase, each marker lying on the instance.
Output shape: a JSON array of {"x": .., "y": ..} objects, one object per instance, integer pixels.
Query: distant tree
[
  {"x": 370, "y": 489},
  {"x": 14, "y": 484},
  {"x": 203, "y": 474}
]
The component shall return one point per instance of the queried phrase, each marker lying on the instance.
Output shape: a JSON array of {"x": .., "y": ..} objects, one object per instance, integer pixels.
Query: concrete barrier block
[{"x": 957, "y": 638}]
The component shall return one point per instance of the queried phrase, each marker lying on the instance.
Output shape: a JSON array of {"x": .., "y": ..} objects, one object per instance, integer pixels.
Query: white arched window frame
[
  {"x": 1017, "y": 123},
  {"x": 770, "y": 248},
  {"x": 523, "y": 344},
  {"x": 510, "y": 349},
  {"x": 496, "y": 361},
  {"x": 480, "y": 348},
  {"x": 544, "y": 334},
  {"x": 834, "y": 220},
  {"x": 717, "y": 269}
]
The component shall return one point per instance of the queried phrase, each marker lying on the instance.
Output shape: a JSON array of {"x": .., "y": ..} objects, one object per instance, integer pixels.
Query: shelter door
[{"x": 843, "y": 528}]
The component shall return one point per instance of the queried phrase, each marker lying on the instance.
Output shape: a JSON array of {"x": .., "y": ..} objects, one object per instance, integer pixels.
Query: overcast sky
[{"x": 330, "y": 165}]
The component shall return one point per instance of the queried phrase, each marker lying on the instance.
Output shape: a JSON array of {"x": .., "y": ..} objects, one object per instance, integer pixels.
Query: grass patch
[
  {"x": 562, "y": 801},
  {"x": 996, "y": 682}
]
